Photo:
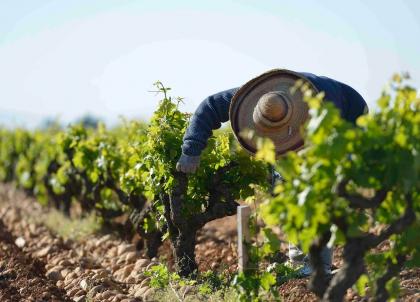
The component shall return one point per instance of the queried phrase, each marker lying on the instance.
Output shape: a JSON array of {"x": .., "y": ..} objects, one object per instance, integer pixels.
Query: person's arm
[
  {"x": 356, "y": 105},
  {"x": 210, "y": 115},
  {"x": 350, "y": 103}
]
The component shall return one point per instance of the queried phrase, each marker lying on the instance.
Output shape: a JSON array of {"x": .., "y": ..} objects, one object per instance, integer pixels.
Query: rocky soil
[
  {"x": 21, "y": 276},
  {"x": 38, "y": 265}
]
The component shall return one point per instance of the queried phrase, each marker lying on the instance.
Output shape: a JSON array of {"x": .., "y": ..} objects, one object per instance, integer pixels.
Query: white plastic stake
[{"x": 243, "y": 213}]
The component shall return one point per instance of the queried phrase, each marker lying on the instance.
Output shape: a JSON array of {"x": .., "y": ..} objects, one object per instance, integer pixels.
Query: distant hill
[{"x": 20, "y": 119}]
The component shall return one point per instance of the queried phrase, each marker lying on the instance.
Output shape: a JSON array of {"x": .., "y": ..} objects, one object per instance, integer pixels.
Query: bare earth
[{"x": 46, "y": 267}]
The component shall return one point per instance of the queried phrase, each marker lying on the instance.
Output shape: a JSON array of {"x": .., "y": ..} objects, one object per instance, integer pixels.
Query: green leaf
[
  {"x": 267, "y": 280},
  {"x": 401, "y": 139},
  {"x": 361, "y": 284},
  {"x": 266, "y": 151},
  {"x": 393, "y": 288}
]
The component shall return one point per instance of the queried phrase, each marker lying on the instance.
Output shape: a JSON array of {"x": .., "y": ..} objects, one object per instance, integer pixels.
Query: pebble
[
  {"x": 130, "y": 256},
  {"x": 107, "y": 294},
  {"x": 141, "y": 291},
  {"x": 148, "y": 295},
  {"x": 80, "y": 299},
  {"x": 55, "y": 260},
  {"x": 43, "y": 252},
  {"x": 96, "y": 289},
  {"x": 86, "y": 262},
  {"x": 121, "y": 296},
  {"x": 113, "y": 252},
  {"x": 70, "y": 276},
  {"x": 124, "y": 248},
  {"x": 130, "y": 279},
  {"x": 151, "y": 264},
  {"x": 141, "y": 263},
  {"x": 20, "y": 242},
  {"x": 54, "y": 275},
  {"x": 145, "y": 282},
  {"x": 83, "y": 284},
  {"x": 127, "y": 270},
  {"x": 81, "y": 292},
  {"x": 65, "y": 262},
  {"x": 73, "y": 291},
  {"x": 64, "y": 272},
  {"x": 101, "y": 273}
]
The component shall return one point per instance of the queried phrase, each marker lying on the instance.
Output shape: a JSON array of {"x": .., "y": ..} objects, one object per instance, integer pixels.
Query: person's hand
[{"x": 188, "y": 164}]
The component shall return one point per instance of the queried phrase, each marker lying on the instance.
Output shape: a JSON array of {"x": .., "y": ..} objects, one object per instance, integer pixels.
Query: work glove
[{"x": 188, "y": 164}]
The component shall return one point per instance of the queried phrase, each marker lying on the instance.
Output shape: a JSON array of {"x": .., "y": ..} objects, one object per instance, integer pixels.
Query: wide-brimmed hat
[{"x": 270, "y": 107}]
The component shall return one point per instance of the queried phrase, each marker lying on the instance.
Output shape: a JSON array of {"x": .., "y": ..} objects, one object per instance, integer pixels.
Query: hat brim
[{"x": 288, "y": 136}]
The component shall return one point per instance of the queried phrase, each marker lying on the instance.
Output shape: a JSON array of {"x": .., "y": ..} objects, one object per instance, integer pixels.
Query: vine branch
[
  {"x": 396, "y": 227},
  {"x": 357, "y": 201}
]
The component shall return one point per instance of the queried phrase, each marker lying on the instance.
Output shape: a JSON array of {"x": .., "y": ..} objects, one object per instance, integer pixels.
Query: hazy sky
[{"x": 66, "y": 58}]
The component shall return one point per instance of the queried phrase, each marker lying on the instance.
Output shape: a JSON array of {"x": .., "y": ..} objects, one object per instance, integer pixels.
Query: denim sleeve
[
  {"x": 350, "y": 103},
  {"x": 332, "y": 89},
  {"x": 210, "y": 115},
  {"x": 356, "y": 105}
]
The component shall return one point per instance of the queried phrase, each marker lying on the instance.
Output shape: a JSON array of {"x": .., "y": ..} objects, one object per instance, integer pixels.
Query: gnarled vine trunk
[
  {"x": 353, "y": 268},
  {"x": 355, "y": 249},
  {"x": 184, "y": 252},
  {"x": 150, "y": 239},
  {"x": 183, "y": 227}
]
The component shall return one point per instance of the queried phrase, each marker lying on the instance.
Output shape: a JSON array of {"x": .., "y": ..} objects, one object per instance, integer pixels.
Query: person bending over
[{"x": 269, "y": 106}]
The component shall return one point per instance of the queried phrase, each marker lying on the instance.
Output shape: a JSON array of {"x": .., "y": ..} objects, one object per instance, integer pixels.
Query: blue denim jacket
[{"x": 214, "y": 110}]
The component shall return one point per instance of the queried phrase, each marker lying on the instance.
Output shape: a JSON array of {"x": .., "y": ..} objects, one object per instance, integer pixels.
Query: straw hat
[{"x": 267, "y": 106}]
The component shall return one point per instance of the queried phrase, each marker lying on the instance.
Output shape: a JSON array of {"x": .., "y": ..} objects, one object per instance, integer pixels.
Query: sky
[{"x": 64, "y": 59}]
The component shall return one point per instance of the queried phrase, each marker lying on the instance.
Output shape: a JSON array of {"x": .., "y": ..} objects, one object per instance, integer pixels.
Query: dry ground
[{"x": 47, "y": 267}]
